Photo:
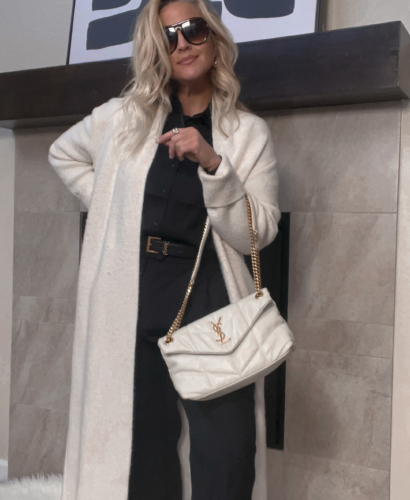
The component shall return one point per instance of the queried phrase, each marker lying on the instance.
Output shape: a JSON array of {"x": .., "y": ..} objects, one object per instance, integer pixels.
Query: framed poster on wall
[{"x": 102, "y": 29}]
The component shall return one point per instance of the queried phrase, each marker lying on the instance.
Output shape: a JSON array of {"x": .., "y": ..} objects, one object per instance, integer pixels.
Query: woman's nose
[{"x": 182, "y": 43}]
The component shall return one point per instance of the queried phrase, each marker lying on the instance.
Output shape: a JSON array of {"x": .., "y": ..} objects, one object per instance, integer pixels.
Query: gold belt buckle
[
  {"x": 149, "y": 244},
  {"x": 150, "y": 238}
]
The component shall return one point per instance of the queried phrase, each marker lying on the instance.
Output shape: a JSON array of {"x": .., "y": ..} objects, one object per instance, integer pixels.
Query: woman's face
[{"x": 201, "y": 57}]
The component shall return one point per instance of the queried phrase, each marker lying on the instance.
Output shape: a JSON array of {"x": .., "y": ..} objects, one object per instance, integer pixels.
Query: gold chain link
[{"x": 255, "y": 268}]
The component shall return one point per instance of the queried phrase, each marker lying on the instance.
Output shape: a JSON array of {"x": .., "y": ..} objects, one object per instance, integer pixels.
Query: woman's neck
[{"x": 194, "y": 98}]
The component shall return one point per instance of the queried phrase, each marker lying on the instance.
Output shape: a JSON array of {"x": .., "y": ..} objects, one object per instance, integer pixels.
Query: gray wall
[
  {"x": 33, "y": 33},
  {"x": 400, "y": 456},
  {"x": 349, "y": 13}
]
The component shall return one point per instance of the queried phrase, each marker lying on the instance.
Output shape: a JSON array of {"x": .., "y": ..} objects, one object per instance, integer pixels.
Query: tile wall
[
  {"x": 339, "y": 167},
  {"x": 46, "y": 256}
]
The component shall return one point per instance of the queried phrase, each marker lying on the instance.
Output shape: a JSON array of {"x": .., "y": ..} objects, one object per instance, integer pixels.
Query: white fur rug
[{"x": 32, "y": 488}]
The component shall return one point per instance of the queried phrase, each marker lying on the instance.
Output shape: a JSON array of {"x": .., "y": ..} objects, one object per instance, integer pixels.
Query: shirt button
[
  {"x": 164, "y": 191},
  {"x": 156, "y": 222}
]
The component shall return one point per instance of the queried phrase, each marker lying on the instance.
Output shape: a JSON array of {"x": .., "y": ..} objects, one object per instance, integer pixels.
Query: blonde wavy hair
[{"x": 151, "y": 84}]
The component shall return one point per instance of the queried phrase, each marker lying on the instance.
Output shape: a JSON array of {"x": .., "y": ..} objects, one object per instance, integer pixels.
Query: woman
[{"x": 150, "y": 166}]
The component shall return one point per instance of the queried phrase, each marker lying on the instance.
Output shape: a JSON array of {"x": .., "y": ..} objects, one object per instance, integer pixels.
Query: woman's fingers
[
  {"x": 181, "y": 148},
  {"x": 170, "y": 140},
  {"x": 182, "y": 132},
  {"x": 178, "y": 146},
  {"x": 166, "y": 137},
  {"x": 171, "y": 148},
  {"x": 182, "y": 144}
]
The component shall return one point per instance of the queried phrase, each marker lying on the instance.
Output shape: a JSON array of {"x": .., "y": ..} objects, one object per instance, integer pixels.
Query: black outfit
[{"x": 222, "y": 431}]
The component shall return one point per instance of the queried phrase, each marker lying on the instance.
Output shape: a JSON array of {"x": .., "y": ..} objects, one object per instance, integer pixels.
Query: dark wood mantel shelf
[{"x": 354, "y": 65}]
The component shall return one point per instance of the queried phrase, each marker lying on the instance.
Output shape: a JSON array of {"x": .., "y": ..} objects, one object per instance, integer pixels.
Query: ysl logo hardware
[{"x": 219, "y": 332}]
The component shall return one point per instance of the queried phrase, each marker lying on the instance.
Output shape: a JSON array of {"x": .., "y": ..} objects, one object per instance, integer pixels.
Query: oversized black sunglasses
[{"x": 195, "y": 30}]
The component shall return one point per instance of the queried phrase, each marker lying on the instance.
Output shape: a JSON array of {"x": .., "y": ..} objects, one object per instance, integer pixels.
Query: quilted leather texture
[{"x": 228, "y": 349}]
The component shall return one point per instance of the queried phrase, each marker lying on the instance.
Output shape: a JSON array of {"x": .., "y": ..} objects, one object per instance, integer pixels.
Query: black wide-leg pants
[{"x": 222, "y": 431}]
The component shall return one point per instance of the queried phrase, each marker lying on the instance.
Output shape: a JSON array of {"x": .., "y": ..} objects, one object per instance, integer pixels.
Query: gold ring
[{"x": 175, "y": 130}]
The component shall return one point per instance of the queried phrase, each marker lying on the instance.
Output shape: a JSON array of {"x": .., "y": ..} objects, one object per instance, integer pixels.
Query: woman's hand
[{"x": 190, "y": 143}]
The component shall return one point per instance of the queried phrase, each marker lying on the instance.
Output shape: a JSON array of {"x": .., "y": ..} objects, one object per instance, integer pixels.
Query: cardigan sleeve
[
  {"x": 74, "y": 153},
  {"x": 224, "y": 194}
]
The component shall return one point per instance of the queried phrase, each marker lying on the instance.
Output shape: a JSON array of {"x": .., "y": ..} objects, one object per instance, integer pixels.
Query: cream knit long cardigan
[{"x": 99, "y": 438}]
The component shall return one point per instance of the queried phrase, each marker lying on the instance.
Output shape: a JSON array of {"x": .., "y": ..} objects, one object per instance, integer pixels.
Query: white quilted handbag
[{"x": 229, "y": 348}]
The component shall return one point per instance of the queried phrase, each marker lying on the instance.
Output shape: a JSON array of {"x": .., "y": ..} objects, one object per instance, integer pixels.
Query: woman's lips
[{"x": 188, "y": 60}]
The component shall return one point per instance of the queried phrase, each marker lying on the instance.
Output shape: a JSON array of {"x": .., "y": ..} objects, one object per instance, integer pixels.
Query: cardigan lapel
[{"x": 98, "y": 449}]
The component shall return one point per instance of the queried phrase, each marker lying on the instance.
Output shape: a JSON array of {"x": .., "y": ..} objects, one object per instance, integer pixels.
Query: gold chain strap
[
  {"x": 255, "y": 268},
  {"x": 177, "y": 321}
]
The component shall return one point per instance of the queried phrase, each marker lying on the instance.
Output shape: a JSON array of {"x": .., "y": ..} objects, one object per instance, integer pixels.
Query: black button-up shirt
[
  {"x": 173, "y": 207},
  {"x": 174, "y": 210}
]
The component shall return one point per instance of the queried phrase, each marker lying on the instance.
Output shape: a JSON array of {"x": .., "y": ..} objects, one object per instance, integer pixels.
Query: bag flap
[{"x": 221, "y": 331}]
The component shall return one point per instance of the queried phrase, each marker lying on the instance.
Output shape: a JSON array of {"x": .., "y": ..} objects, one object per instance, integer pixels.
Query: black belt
[{"x": 153, "y": 244}]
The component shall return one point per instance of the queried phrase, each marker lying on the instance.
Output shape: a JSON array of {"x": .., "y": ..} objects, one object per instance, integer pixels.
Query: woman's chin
[{"x": 190, "y": 75}]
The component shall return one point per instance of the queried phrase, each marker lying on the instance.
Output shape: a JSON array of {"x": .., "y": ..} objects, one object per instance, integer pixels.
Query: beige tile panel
[
  {"x": 338, "y": 407},
  {"x": 338, "y": 159},
  {"x": 311, "y": 478},
  {"x": 342, "y": 266},
  {"x": 37, "y": 441},
  {"x": 38, "y": 188},
  {"x": 44, "y": 309},
  {"x": 276, "y": 474},
  {"x": 362, "y": 339},
  {"x": 6, "y": 279},
  {"x": 41, "y": 365},
  {"x": 46, "y": 254}
]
